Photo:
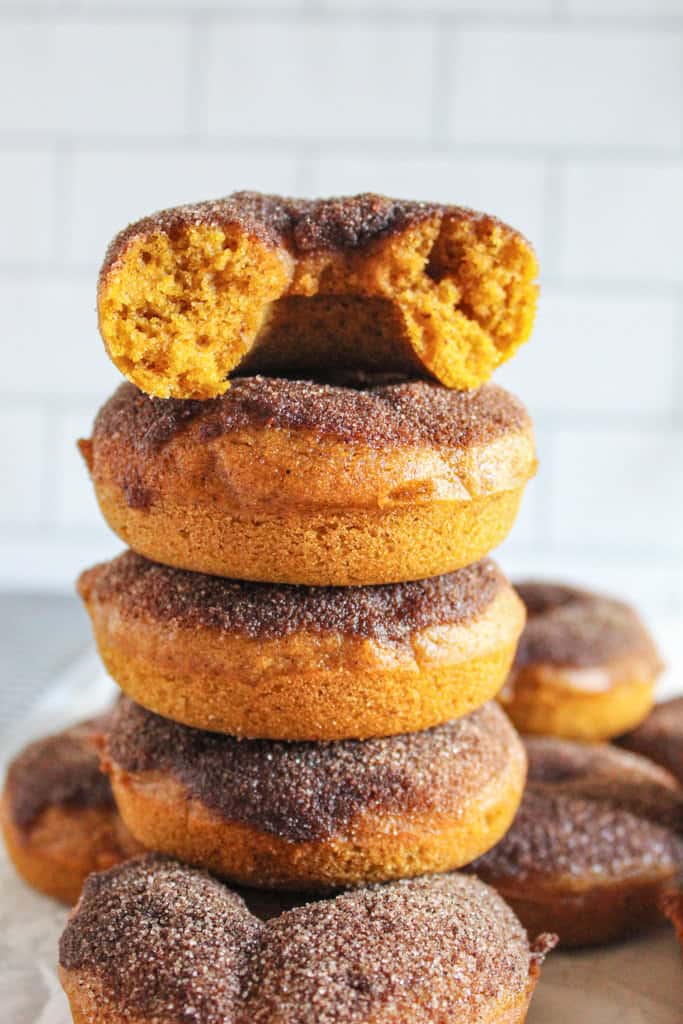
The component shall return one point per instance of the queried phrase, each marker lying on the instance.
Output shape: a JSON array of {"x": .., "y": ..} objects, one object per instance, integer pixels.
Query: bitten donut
[
  {"x": 316, "y": 815},
  {"x": 595, "y": 844},
  {"x": 265, "y": 284},
  {"x": 660, "y": 736},
  {"x": 296, "y": 482},
  {"x": 298, "y": 663},
  {"x": 585, "y": 667},
  {"x": 154, "y": 942},
  {"x": 58, "y": 816}
]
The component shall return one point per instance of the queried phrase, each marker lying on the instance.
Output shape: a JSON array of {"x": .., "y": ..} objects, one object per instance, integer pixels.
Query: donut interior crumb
[{"x": 451, "y": 294}]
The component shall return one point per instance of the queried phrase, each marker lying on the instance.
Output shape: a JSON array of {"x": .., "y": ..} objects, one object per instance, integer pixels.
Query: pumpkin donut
[
  {"x": 298, "y": 663},
  {"x": 594, "y": 846},
  {"x": 290, "y": 481},
  {"x": 265, "y": 284},
  {"x": 585, "y": 667},
  {"x": 155, "y": 942},
  {"x": 660, "y": 736},
  {"x": 58, "y": 815},
  {"x": 316, "y": 815}
]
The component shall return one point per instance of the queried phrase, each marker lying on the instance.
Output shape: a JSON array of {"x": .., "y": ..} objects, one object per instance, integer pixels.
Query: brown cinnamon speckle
[
  {"x": 60, "y": 770},
  {"x": 410, "y": 413},
  {"x": 589, "y": 811},
  {"x": 390, "y": 613},
  {"x": 305, "y": 791},
  {"x": 155, "y": 939},
  {"x": 300, "y": 225},
  {"x": 571, "y": 627}
]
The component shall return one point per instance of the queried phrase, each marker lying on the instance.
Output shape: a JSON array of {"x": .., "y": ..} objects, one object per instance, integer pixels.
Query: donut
[
  {"x": 660, "y": 737},
  {"x": 155, "y": 942},
  {"x": 58, "y": 816},
  {"x": 258, "y": 283},
  {"x": 585, "y": 667},
  {"x": 289, "y": 481},
  {"x": 596, "y": 842},
  {"x": 316, "y": 815},
  {"x": 274, "y": 661}
]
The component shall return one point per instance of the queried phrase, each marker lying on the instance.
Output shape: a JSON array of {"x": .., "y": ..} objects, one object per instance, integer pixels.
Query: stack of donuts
[{"x": 309, "y": 468}]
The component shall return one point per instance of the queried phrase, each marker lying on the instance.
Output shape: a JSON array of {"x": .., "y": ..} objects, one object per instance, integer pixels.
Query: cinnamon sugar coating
[
  {"x": 306, "y": 225},
  {"x": 58, "y": 771},
  {"x": 660, "y": 737},
  {"x": 571, "y": 627},
  {"x": 157, "y": 940},
  {"x": 590, "y": 814},
  {"x": 406, "y": 414},
  {"x": 307, "y": 791},
  {"x": 389, "y": 613}
]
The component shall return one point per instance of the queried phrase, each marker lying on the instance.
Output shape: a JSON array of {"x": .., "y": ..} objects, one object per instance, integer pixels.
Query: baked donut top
[
  {"x": 572, "y": 627},
  {"x": 660, "y": 736},
  {"x": 303, "y": 226},
  {"x": 307, "y": 791},
  {"x": 408, "y": 413},
  {"x": 387, "y": 613},
  {"x": 159, "y": 941},
  {"x": 589, "y": 811},
  {"x": 58, "y": 771}
]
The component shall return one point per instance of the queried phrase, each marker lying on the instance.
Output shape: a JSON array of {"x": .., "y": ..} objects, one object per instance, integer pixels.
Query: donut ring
[
  {"x": 295, "y": 482},
  {"x": 596, "y": 842},
  {"x": 585, "y": 667},
  {"x": 266, "y": 284},
  {"x": 660, "y": 737},
  {"x": 153, "y": 941},
  {"x": 295, "y": 663},
  {"x": 311, "y": 815},
  {"x": 59, "y": 821}
]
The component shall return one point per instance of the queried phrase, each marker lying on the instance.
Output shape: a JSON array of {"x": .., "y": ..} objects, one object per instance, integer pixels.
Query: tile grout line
[{"x": 557, "y": 17}]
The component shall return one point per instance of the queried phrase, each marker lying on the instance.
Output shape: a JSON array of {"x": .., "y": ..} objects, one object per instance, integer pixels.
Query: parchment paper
[{"x": 639, "y": 982}]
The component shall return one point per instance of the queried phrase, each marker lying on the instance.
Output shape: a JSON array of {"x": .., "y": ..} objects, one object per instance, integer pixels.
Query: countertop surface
[{"x": 40, "y": 635}]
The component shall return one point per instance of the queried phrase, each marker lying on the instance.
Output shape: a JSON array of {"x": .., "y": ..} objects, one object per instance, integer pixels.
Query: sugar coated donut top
[
  {"x": 589, "y": 811},
  {"x": 388, "y": 613},
  {"x": 572, "y": 627},
  {"x": 157, "y": 940},
  {"x": 306, "y": 791},
  {"x": 61, "y": 770},
  {"x": 410, "y": 413},
  {"x": 303, "y": 226}
]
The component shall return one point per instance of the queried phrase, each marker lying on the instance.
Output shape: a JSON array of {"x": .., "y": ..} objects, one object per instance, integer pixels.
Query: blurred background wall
[{"x": 564, "y": 117}]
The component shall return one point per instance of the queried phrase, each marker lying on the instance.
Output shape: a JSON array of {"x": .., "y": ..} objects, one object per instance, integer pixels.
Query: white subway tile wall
[{"x": 564, "y": 117}]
